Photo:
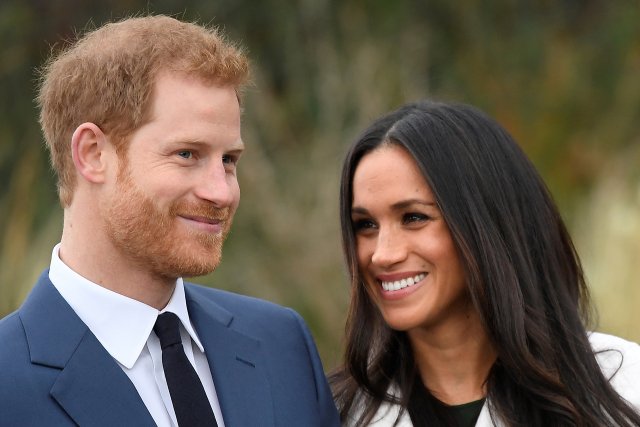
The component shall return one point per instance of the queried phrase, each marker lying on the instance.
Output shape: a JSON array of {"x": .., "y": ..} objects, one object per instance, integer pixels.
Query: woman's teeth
[{"x": 400, "y": 284}]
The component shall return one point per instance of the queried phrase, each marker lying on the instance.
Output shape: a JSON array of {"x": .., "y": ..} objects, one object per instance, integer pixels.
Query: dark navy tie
[{"x": 187, "y": 393}]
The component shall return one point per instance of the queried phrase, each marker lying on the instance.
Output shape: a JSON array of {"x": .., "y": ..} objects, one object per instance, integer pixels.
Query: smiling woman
[
  {"x": 469, "y": 305},
  {"x": 405, "y": 251}
]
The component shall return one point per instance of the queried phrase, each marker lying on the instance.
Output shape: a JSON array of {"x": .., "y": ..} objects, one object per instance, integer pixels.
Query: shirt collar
[{"x": 121, "y": 324}]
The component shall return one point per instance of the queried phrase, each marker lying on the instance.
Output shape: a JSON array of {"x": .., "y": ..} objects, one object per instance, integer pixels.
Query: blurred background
[{"x": 562, "y": 76}]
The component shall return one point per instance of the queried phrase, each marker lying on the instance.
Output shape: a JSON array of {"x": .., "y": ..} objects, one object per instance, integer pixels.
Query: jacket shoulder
[
  {"x": 12, "y": 337},
  {"x": 619, "y": 360},
  {"x": 243, "y": 306},
  {"x": 288, "y": 353},
  {"x": 19, "y": 383}
]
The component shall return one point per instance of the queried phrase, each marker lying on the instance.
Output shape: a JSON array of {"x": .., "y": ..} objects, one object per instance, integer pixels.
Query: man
[{"x": 143, "y": 124}]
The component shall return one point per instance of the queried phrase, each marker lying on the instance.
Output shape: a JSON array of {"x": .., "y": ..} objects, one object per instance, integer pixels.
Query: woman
[{"x": 469, "y": 304}]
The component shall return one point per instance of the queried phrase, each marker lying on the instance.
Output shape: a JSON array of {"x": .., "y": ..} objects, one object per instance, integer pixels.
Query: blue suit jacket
[{"x": 54, "y": 372}]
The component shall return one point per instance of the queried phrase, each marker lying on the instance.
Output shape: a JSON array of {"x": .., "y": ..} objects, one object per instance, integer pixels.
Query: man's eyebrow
[{"x": 235, "y": 146}]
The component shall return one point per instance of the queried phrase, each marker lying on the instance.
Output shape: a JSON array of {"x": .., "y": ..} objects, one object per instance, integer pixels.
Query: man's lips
[
  {"x": 207, "y": 224},
  {"x": 203, "y": 219}
]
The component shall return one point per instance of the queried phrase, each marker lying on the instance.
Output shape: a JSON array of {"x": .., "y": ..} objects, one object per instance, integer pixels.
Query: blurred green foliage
[{"x": 562, "y": 76}]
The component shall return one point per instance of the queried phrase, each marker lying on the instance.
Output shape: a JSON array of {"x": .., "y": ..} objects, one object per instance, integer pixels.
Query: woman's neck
[{"x": 454, "y": 360}]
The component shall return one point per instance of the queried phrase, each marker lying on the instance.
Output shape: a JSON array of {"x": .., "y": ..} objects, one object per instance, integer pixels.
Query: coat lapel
[
  {"x": 236, "y": 364},
  {"x": 387, "y": 415},
  {"x": 90, "y": 386},
  {"x": 485, "y": 420}
]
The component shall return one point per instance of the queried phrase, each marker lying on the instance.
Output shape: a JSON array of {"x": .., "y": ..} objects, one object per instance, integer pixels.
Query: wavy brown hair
[
  {"x": 523, "y": 274},
  {"x": 107, "y": 76}
]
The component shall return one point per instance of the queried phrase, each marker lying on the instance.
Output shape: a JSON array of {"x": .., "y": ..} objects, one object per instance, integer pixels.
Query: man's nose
[{"x": 218, "y": 186}]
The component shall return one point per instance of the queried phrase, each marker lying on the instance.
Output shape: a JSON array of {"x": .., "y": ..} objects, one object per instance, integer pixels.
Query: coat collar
[
  {"x": 387, "y": 415},
  {"x": 93, "y": 389}
]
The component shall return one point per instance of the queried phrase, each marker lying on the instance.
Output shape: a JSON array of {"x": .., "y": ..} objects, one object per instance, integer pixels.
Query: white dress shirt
[{"x": 124, "y": 328}]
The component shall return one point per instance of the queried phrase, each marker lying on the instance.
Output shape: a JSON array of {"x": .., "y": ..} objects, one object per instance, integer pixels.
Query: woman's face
[{"x": 405, "y": 252}]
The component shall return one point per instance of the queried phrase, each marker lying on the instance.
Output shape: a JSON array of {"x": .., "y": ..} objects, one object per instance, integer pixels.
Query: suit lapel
[
  {"x": 90, "y": 386},
  {"x": 236, "y": 364}
]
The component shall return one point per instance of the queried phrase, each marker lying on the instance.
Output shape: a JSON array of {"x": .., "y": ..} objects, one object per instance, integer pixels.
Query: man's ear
[{"x": 89, "y": 148}]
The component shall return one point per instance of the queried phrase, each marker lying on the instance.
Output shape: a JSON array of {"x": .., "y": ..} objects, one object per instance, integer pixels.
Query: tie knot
[{"x": 167, "y": 328}]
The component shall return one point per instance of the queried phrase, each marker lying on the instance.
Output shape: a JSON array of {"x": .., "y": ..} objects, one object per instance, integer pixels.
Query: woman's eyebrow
[{"x": 403, "y": 204}]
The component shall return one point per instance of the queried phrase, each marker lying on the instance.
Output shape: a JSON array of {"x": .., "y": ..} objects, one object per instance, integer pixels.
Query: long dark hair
[{"x": 523, "y": 274}]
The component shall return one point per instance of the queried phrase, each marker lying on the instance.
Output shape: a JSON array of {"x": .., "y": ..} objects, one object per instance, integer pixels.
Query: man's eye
[
  {"x": 229, "y": 159},
  {"x": 185, "y": 154}
]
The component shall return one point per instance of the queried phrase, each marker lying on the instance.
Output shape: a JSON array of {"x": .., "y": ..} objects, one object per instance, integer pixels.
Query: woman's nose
[{"x": 390, "y": 248}]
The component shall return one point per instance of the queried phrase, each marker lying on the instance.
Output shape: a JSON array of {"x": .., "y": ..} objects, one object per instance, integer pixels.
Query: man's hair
[{"x": 107, "y": 76}]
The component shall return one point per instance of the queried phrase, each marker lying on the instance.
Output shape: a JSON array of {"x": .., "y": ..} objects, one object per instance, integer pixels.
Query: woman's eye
[
  {"x": 185, "y": 154},
  {"x": 363, "y": 224},
  {"x": 414, "y": 217}
]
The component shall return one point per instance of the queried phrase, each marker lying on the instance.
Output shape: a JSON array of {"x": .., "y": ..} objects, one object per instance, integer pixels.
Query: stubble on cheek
[{"x": 152, "y": 237}]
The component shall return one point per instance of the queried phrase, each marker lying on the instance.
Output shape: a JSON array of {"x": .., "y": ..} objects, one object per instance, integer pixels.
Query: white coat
[{"x": 621, "y": 366}]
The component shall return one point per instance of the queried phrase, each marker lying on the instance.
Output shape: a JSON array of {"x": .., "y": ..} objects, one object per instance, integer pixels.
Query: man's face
[{"x": 176, "y": 191}]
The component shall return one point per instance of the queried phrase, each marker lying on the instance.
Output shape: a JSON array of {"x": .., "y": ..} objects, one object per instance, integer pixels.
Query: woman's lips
[{"x": 397, "y": 286}]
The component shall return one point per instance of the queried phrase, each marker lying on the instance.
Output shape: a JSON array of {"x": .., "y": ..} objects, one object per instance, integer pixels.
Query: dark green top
[
  {"x": 425, "y": 409},
  {"x": 466, "y": 414}
]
